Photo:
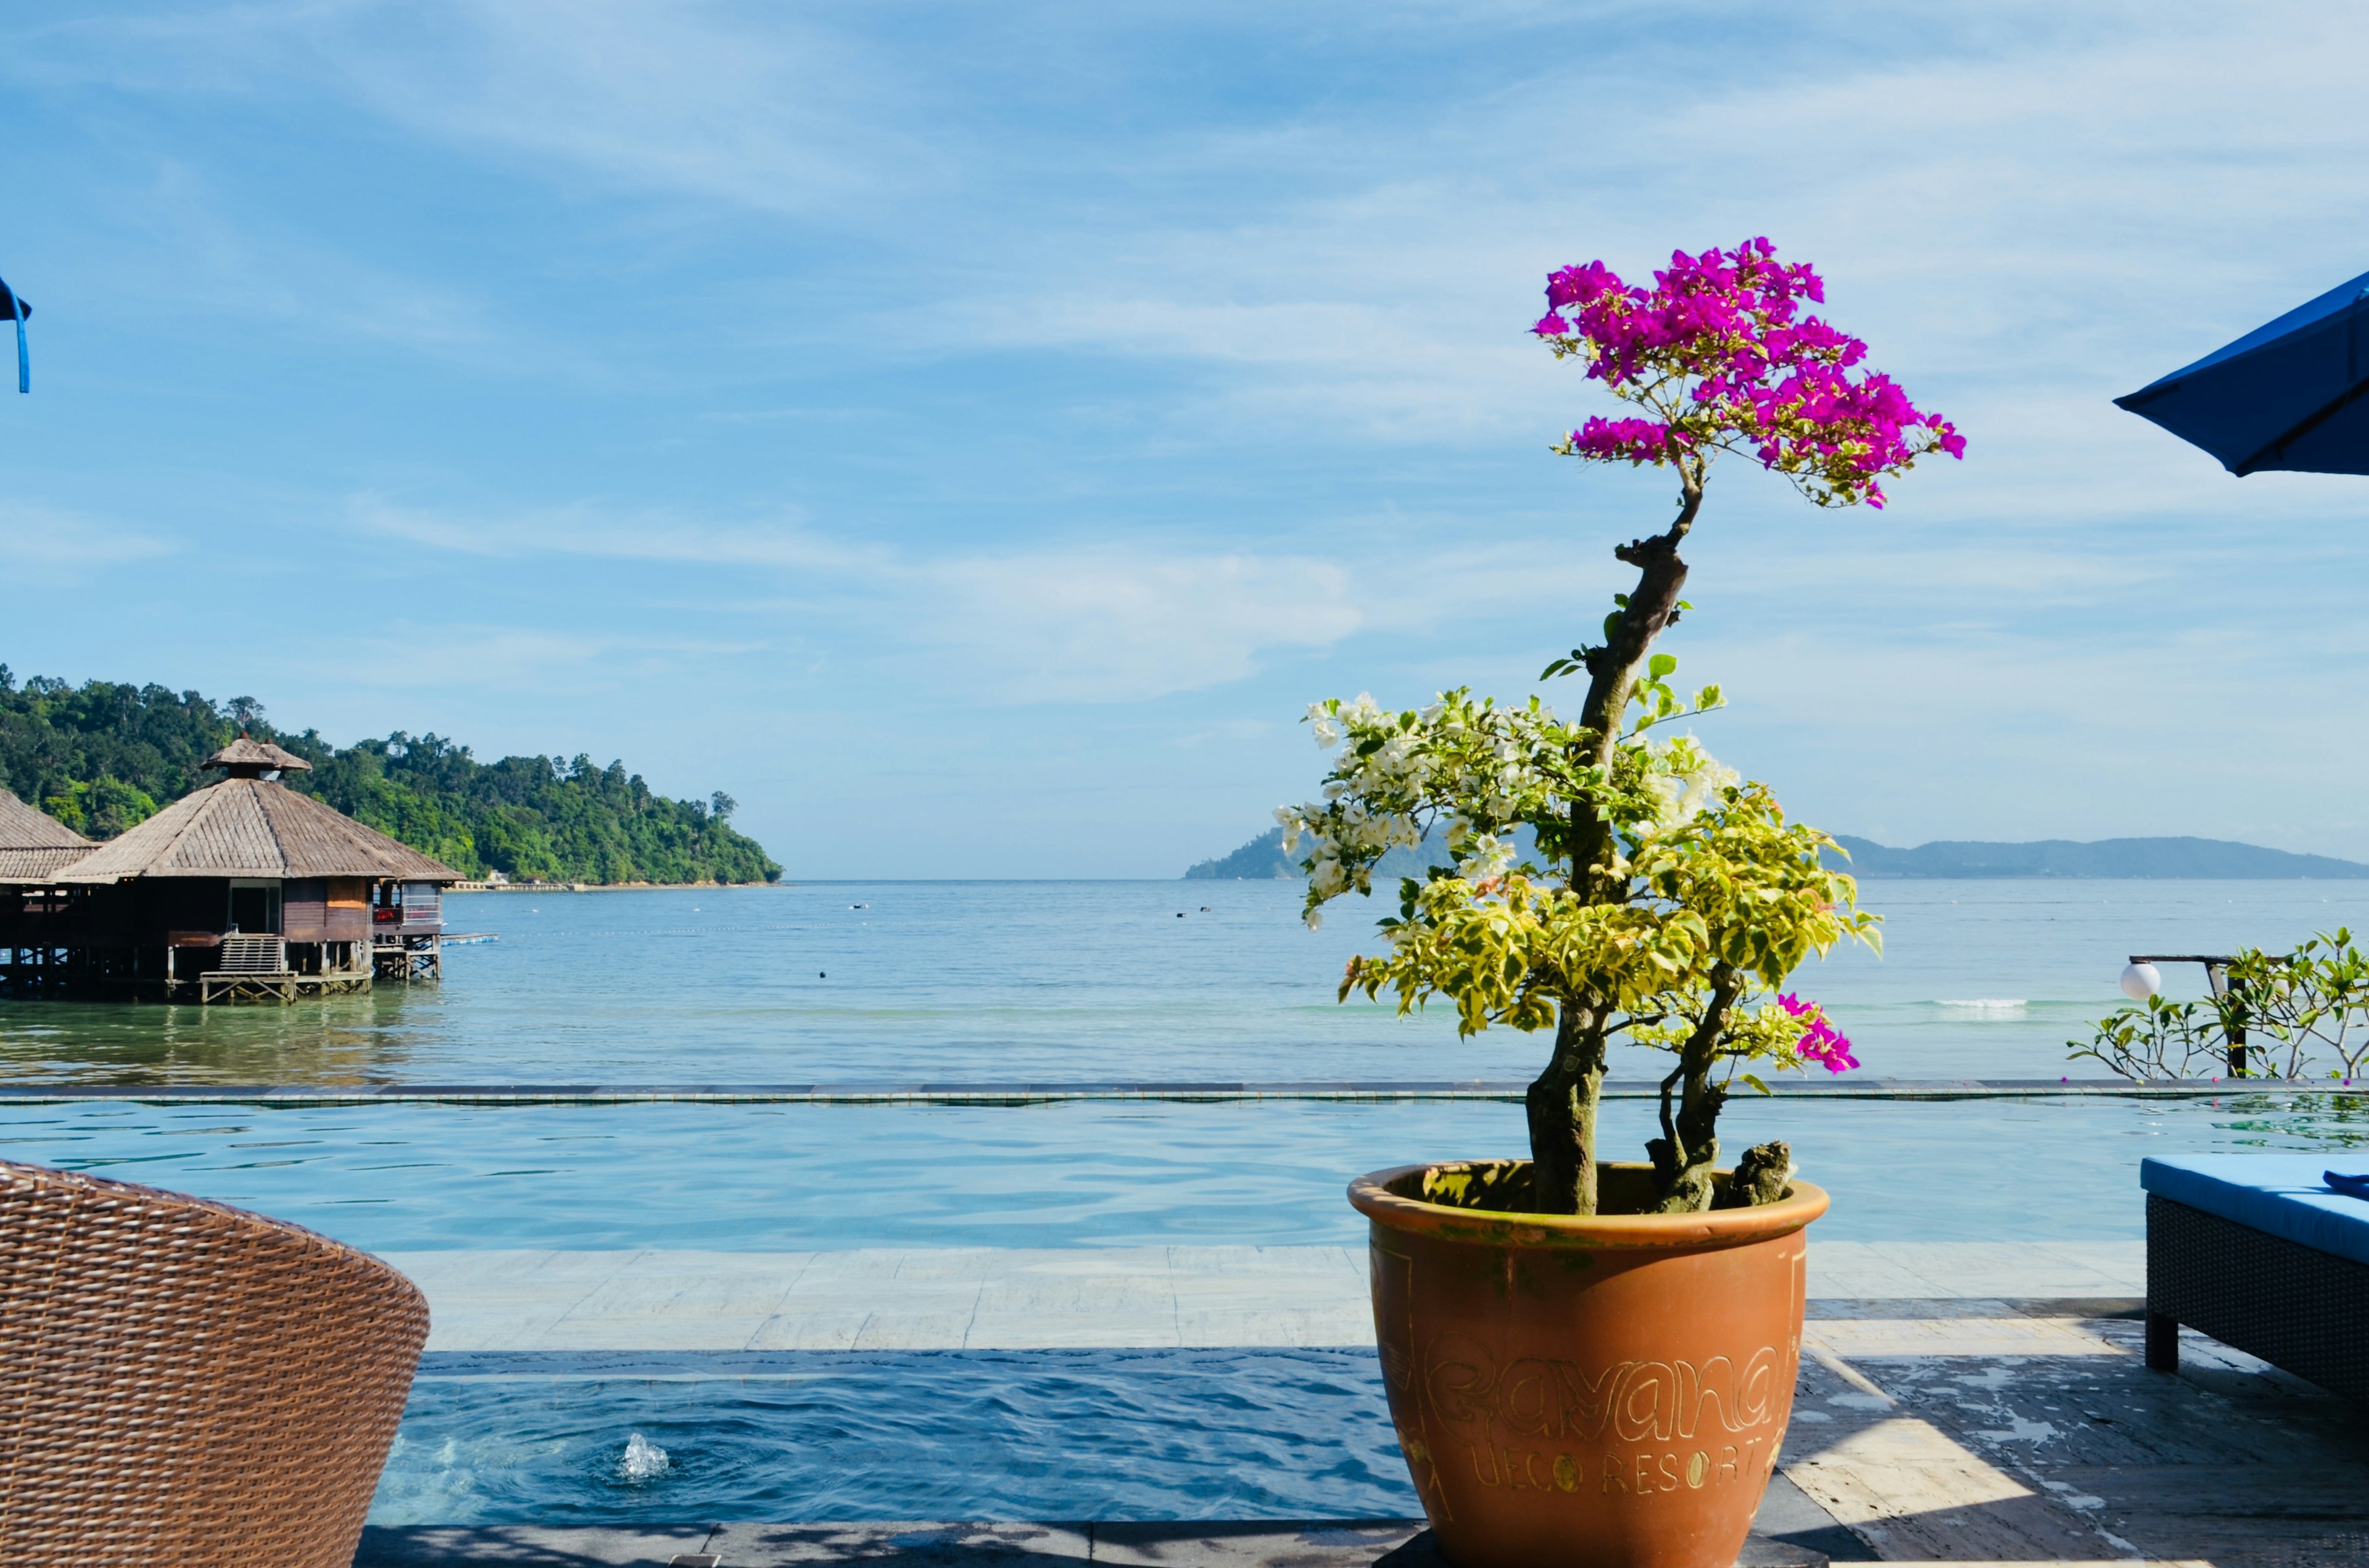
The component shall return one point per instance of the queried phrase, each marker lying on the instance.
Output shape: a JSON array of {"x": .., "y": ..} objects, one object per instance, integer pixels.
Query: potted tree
[{"x": 1589, "y": 1361}]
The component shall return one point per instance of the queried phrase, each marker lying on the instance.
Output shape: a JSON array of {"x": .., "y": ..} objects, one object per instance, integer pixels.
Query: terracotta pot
[{"x": 1600, "y": 1392}]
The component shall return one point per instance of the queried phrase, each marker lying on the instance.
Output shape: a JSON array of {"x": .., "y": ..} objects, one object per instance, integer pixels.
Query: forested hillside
[{"x": 101, "y": 757}]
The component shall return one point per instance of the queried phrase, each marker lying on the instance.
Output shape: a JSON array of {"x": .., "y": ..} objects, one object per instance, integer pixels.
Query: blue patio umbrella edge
[
  {"x": 20, "y": 311},
  {"x": 2319, "y": 314}
]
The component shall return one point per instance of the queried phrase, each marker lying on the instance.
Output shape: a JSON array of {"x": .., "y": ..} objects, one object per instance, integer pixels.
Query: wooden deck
[
  {"x": 408, "y": 953},
  {"x": 276, "y": 985}
]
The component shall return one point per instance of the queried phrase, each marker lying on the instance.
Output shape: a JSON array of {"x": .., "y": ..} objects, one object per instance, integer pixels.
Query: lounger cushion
[{"x": 2281, "y": 1195}]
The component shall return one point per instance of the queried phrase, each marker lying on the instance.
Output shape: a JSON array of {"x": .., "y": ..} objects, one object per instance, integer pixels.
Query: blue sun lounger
[{"x": 2262, "y": 1252}]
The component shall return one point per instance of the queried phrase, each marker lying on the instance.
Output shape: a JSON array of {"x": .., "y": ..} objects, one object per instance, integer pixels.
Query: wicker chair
[{"x": 186, "y": 1383}]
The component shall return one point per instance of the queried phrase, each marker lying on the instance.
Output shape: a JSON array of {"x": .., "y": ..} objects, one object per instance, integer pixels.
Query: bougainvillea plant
[{"x": 1663, "y": 900}]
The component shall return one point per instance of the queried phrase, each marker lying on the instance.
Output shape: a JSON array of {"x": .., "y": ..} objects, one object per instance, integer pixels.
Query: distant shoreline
[{"x": 599, "y": 886}]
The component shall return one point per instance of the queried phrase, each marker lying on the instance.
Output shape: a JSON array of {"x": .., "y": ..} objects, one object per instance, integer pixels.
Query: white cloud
[
  {"x": 780, "y": 115},
  {"x": 647, "y": 536},
  {"x": 1088, "y": 623},
  {"x": 42, "y": 543},
  {"x": 503, "y": 658},
  {"x": 1096, "y": 626}
]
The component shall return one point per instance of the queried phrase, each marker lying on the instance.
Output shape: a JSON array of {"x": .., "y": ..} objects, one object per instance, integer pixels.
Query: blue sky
[{"x": 970, "y": 436}]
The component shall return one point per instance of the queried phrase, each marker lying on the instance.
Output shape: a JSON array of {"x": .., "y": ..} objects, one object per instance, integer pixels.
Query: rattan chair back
[{"x": 184, "y": 1383}]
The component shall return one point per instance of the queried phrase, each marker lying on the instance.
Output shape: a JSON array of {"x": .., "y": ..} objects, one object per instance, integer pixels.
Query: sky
[{"x": 970, "y": 436}]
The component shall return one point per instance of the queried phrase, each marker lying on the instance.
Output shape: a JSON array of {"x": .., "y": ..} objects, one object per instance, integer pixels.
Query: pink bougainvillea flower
[
  {"x": 1720, "y": 350},
  {"x": 1821, "y": 1041}
]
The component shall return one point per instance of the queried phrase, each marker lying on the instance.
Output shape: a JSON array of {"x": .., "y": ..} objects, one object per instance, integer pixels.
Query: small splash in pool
[
  {"x": 642, "y": 1460},
  {"x": 1986, "y": 1003}
]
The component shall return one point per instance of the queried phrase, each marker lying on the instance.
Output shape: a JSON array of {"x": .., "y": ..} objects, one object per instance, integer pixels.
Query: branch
[{"x": 1669, "y": 1122}]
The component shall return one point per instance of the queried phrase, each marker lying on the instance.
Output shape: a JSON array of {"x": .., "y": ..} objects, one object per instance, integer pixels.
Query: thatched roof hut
[
  {"x": 33, "y": 845},
  {"x": 244, "y": 759},
  {"x": 251, "y": 827},
  {"x": 241, "y": 890}
]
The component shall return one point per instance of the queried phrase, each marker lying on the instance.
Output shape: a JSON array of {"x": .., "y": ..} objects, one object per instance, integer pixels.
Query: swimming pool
[
  {"x": 761, "y": 1178},
  {"x": 1031, "y": 981},
  {"x": 926, "y": 1434}
]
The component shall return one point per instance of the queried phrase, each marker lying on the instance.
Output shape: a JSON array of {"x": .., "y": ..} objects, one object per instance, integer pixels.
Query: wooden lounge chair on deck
[
  {"x": 2256, "y": 1251},
  {"x": 186, "y": 1383}
]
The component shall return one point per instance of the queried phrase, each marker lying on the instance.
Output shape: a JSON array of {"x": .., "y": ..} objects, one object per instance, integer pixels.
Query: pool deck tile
[
  {"x": 2087, "y": 1270},
  {"x": 1258, "y": 1544},
  {"x": 1113, "y": 1298}
]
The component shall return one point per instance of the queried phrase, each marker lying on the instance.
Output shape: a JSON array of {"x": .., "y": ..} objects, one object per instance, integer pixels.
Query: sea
[{"x": 948, "y": 984}]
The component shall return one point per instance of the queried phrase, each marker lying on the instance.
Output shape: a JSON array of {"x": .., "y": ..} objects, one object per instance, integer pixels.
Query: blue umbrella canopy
[
  {"x": 2289, "y": 394},
  {"x": 14, "y": 303}
]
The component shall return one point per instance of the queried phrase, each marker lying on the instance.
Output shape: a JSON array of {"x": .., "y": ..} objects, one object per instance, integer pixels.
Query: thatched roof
[
  {"x": 244, "y": 826},
  {"x": 32, "y": 843},
  {"x": 248, "y": 759}
]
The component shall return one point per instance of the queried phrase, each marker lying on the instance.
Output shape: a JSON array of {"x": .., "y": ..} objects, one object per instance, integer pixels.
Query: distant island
[
  {"x": 2199, "y": 859},
  {"x": 2138, "y": 859},
  {"x": 103, "y": 756},
  {"x": 1263, "y": 859}
]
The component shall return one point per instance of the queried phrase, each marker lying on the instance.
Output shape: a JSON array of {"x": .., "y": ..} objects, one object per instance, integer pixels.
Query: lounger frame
[{"x": 2299, "y": 1309}]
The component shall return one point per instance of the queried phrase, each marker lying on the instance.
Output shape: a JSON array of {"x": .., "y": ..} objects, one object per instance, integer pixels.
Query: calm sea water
[
  {"x": 1098, "y": 980},
  {"x": 1045, "y": 982},
  {"x": 1078, "y": 981}
]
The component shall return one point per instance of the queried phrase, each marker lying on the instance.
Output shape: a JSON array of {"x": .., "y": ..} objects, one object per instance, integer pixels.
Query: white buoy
[{"x": 2141, "y": 982}]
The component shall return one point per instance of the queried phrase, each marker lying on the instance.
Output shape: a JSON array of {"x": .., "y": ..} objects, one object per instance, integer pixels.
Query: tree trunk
[
  {"x": 1563, "y": 1101},
  {"x": 1612, "y": 672},
  {"x": 1561, "y": 1106},
  {"x": 1689, "y": 1147}
]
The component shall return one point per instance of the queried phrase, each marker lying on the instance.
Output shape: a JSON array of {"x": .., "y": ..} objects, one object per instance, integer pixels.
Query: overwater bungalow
[
  {"x": 34, "y": 844},
  {"x": 241, "y": 890}
]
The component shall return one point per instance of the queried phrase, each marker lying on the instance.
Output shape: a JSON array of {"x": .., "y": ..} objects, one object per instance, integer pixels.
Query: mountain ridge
[
  {"x": 2137, "y": 859},
  {"x": 2134, "y": 859}
]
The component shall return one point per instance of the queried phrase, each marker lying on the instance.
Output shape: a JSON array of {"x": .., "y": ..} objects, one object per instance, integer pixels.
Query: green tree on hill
[{"x": 104, "y": 756}]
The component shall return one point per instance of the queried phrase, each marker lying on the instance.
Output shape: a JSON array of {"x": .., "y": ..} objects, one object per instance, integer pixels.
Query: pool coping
[{"x": 1190, "y": 1092}]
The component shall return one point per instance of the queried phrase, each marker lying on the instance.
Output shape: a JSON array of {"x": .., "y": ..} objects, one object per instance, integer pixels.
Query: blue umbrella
[
  {"x": 2289, "y": 394},
  {"x": 14, "y": 303}
]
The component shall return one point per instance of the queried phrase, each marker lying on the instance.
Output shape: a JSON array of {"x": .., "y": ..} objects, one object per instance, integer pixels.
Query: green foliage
[
  {"x": 1709, "y": 892},
  {"x": 2158, "y": 1038},
  {"x": 2303, "y": 1012},
  {"x": 57, "y": 741},
  {"x": 101, "y": 758},
  {"x": 101, "y": 808}
]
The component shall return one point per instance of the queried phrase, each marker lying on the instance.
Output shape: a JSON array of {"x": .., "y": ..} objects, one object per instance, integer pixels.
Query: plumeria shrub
[
  {"x": 2300, "y": 1014},
  {"x": 1667, "y": 898}
]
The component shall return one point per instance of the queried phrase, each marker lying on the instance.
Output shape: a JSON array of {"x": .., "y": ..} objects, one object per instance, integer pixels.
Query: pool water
[
  {"x": 787, "y": 1178},
  {"x": 916, "y": 1435}
]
